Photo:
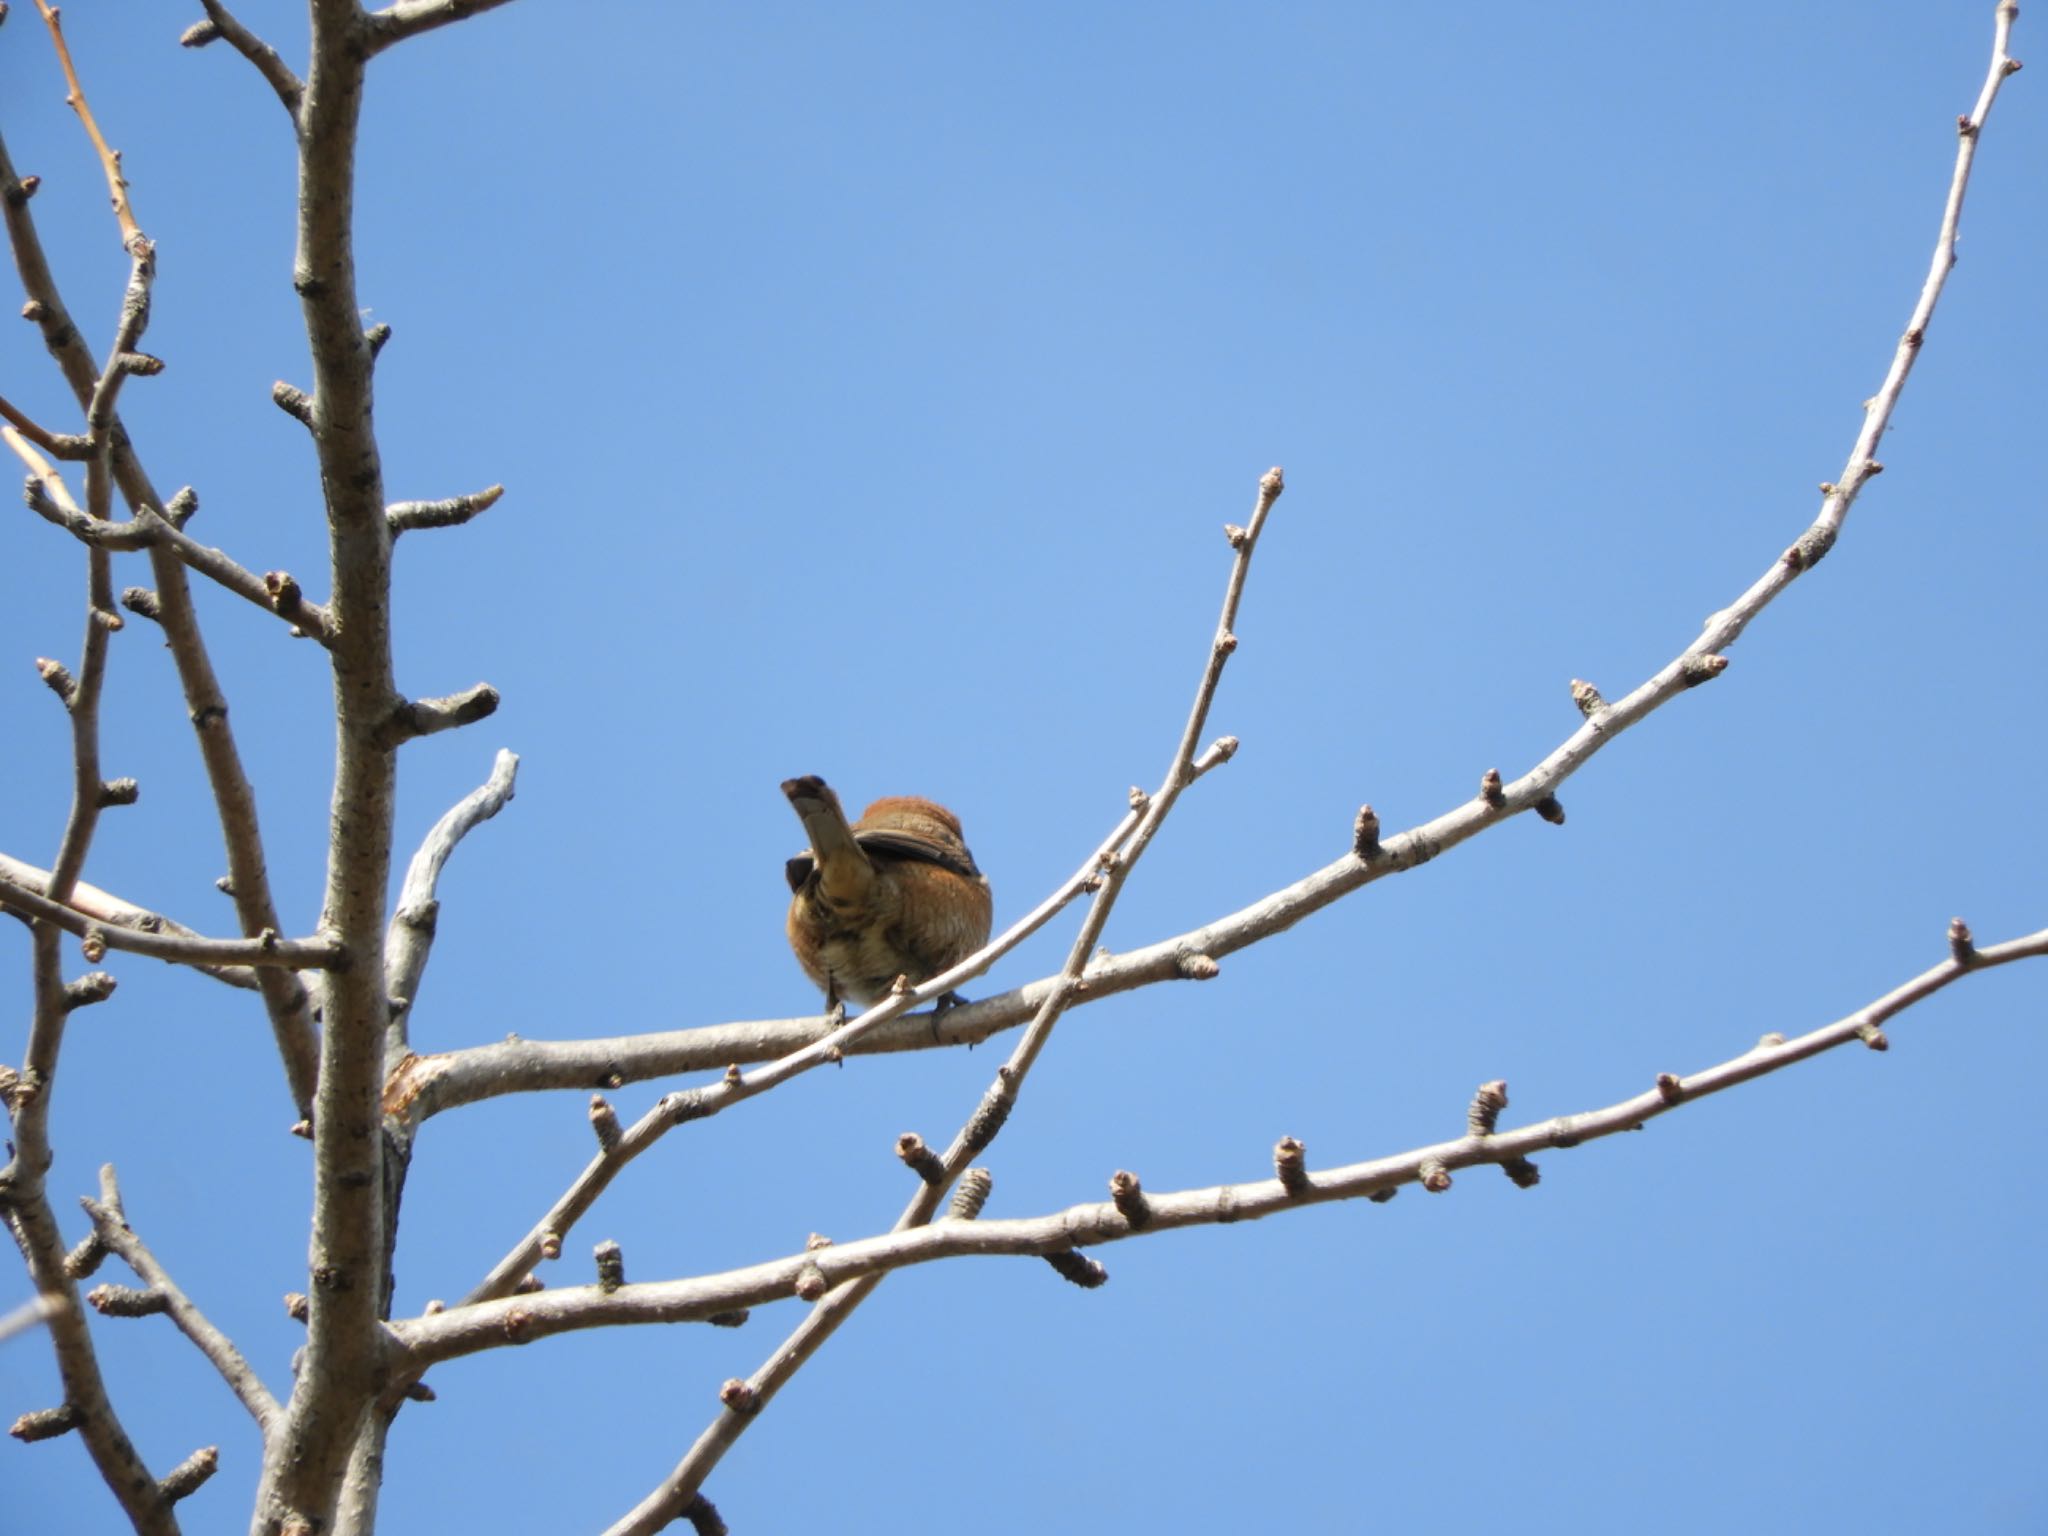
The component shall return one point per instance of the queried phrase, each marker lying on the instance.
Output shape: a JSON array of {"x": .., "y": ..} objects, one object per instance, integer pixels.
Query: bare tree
[{"x": 339, "y": 997}]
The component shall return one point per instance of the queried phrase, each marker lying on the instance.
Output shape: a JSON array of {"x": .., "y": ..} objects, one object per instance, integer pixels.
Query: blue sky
[{"x": 870, "y": 385}]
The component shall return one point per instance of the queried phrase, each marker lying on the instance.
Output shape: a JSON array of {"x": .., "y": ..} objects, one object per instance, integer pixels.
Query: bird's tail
[{"x": 844, "y": 870}]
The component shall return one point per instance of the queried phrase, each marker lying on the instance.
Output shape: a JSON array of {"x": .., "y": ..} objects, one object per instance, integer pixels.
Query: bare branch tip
[
  {"x": 919, "y": 1158},
  {"x": 971, "y": 1194},
  {"x": 187, "y": 1477},
  {"x": 295, "y": 403}
]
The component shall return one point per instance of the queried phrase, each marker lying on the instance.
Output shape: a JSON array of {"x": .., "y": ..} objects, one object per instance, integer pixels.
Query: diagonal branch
[
  {"x": 523, "y": 1319},
  {"x": 110, "y": 1222},
  {"x": 269, "y": 64},
  {"x": 110, "y": 158}
]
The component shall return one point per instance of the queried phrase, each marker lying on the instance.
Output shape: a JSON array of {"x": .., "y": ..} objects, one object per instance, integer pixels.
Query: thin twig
[
  {"x": 269, "y": 64},
  {"x": 105, "y": 909},
  {"x": 175, "y": 948},
  {"x": 111, "y": 1223},
  {"x": 110, "y": 158}
]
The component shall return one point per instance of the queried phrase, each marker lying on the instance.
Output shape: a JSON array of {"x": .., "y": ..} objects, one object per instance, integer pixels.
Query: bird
[{"x": 894, "y": 894}]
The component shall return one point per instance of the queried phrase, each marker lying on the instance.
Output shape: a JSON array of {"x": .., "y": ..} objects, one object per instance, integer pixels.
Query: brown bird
[{"x": 895, "y": 894}]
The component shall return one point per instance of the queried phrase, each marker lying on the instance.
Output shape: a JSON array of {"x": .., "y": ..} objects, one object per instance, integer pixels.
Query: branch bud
[
  {"x": 1077, "y": 1269},
  {"x": 971, "y": 1194}
]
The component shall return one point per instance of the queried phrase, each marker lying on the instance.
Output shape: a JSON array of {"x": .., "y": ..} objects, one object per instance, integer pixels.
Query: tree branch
[
  {"x": 409, "y": 18},
  {"x": 110, "y": 1222},
  {"x": 268, "y": 63},
  {"x": 523, "y": 1319},
  {"x": 411, "y": 935},
  {"x": 175, "y": 948},
  {"x": 284, "y": 997}
]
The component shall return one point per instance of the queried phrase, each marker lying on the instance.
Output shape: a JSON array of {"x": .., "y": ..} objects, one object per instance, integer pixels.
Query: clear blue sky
[{"x": 870, "y": 384}]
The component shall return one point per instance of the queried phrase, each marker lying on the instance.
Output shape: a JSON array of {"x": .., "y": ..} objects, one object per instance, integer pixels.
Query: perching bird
[{"x": 895, "y": 894}]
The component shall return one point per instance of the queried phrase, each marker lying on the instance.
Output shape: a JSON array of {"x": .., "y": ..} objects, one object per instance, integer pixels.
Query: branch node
[
  {"x": 420, "y": 1392},
  {"x": 919, "y": 1158},
  {"x": 1226, "y": 642},
  {"x": 141, "y": 601},
  {"x": 1129, "y": 1197},
  {"x": 199, "y": 34},
  {"x": 989, "y": 1116},
  {"x": 126, "y": 1301},
  {"x": 737, "y": 1395},
  {"x": 375, "y": 337},
  {"x": 1551, "y": 809},
  {"x": 295, "y": 403},
  {"x": 1701, "y": 669},
  {"x": 1365, "y": 833},
  {"x": 93, "y": 987},
  {"x": 1587, "y": 697},
  {"x": 58, "y": 677},
  {"x": 1235, "y": 535},
  {"x": 119, "y": 792},
  {"x": 1487, "y": 1103},
  {"x": 86, "y": 1257},
  {"x": 1962, "y": 945},
  {"x": 93, "y": 945},
  {"x": 414, "y": 718},
  {"x": 971, "y": 1194},
  {"x": 1077, "y": 1269},
  {"x": 1521, "y": 1173},
  {"x": 703, "y": 1517},
  {"x": 1435, "y": 1177},
  {"x": 1669, "y": 1088},
  {"x": 1490, "y": 790},
  {"x": 1873, "y": 1037},
  {"x": 1217, "y": 753},
  {"x": 179, "y": 509},
  {"x": 1290, "y": 1163},
  {"x": 1196, "y": 966},
  {"x": 45, "y": 1423},
  {"x": 611, "y": 1265},
  {"x": 810, "y": 1283}
]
